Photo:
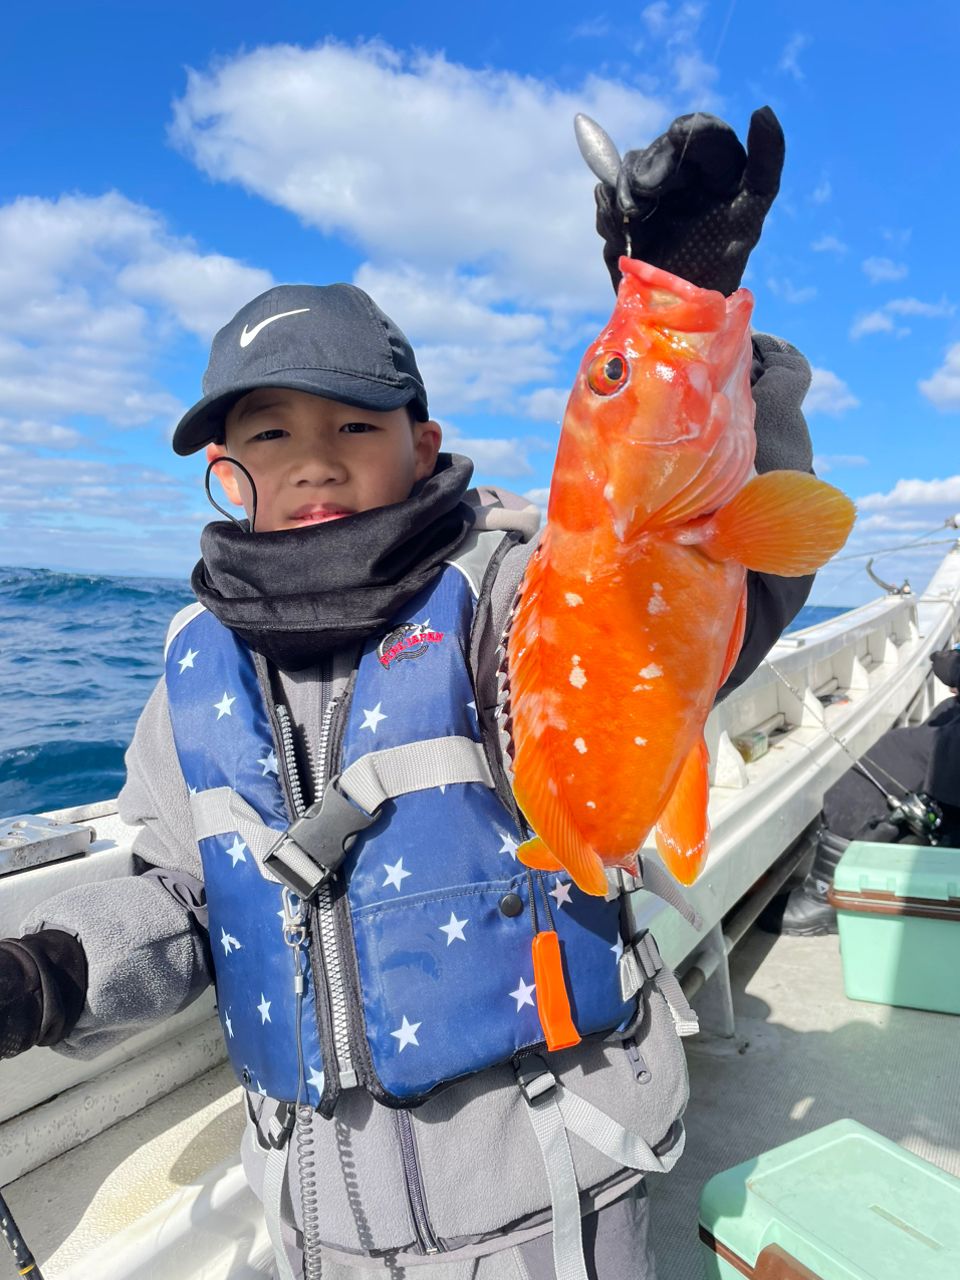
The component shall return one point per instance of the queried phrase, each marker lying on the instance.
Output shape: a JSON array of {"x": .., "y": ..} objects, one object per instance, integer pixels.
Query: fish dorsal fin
[
  {"x": 784, "y": 522},
  {"x": 683, "y": 828}
]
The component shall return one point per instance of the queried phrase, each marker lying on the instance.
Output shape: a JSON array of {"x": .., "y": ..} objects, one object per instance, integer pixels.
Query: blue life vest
[{"x": 433, "y": 975}]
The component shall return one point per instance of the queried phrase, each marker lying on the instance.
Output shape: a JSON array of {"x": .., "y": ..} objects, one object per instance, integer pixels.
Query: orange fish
[{"x": 631, "y": 613}]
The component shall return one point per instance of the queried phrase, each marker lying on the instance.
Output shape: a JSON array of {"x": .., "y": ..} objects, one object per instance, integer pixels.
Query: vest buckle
[
  {"x": 313, "y": 847},
  {"x": 534, "y": 1077}
]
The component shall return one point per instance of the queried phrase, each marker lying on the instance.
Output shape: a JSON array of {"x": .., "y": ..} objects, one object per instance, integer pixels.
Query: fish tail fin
[
  {"x": 784, "y": 522},
  {"x": 683, "y": 828}
]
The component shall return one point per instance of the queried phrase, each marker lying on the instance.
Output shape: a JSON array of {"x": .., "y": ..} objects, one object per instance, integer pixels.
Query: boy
[{"x": 323, "y": 807}]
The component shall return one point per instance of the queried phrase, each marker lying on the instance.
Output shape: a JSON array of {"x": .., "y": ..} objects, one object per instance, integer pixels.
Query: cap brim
[{"x": 205, "y": 421}]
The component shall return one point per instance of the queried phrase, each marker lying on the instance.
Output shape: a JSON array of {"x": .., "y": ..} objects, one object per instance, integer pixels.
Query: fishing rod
[
  {"x": 24, "y": 1259},
  {"x": 922, "y": 814}
]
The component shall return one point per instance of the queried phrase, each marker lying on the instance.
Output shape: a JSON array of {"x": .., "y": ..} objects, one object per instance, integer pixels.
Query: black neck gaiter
[{"x": 296, "y": 595}]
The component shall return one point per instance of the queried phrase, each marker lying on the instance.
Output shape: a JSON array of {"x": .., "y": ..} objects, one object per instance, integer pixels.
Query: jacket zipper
[
  {"x": 327, "y": 931},
  {"x": 413, "y": 1180}
]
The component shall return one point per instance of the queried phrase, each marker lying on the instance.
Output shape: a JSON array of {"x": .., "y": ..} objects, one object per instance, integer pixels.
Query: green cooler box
[
  {"x": 898, "y": 912},
  {"x": 838, "y": 1204}
]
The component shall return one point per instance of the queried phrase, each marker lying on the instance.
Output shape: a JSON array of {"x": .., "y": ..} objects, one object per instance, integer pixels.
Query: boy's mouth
[{"x": 314, "y": 514}]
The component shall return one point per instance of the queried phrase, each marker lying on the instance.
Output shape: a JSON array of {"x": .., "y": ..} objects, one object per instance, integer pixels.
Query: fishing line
[
  {"x": 723, "y": 30},
  {"x": 877, "y": 554},
  {"x": 888, "y": 551},
  {"x": 841, "y": 744}
]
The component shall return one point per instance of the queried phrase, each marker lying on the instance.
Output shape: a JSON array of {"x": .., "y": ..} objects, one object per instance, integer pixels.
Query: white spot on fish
[
  {"x": 581, "y": 746},
  {"x": 639, "y": 688},
  {"x": 608, "y": 491},
  {"x": 651, "y": 671},
  {"x": 573, "y": 599},
  {"x": 577, "y": 676},
  {"x": 587, "y": 576},
  {"x": 641, "y": 742},
  {"x": 591, "y": 805},
  {"x": 656, "y": 603},
  {"x": 552, "y": 787}
]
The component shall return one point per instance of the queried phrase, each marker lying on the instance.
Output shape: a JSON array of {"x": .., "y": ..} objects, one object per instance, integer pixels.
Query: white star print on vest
[{"x": 441, "y": 912}]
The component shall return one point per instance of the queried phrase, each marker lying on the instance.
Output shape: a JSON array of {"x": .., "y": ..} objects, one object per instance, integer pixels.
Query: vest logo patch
[{"x": 409, "y": 640}]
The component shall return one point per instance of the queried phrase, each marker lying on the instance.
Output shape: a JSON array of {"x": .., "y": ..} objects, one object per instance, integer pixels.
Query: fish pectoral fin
[
  {"x": 683, "y": 828},
  {"x": 735, "y": 643},
  {"x": 535, "y": 854},
  {"x": 784, "y": 522},
  {"x": 579, "y": 861}
]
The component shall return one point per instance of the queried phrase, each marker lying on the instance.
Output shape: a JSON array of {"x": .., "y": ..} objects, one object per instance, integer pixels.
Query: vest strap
[
  {"x": 314, "y": 846},
  {"x": 642, "y": 962},
  {"x": 539, "y": 1087},
  {"x": 417, "y": 766},
  {"x": 657, "y": 880},
  {"x": 554, "y": 1112},
  {"x": 274, "y": 1179}
]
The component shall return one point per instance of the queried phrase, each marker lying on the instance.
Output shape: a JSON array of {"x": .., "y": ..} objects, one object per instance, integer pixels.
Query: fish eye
[{"x": 608, "y": 372}]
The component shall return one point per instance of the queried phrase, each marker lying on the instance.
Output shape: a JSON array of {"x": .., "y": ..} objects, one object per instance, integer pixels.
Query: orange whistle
[{"x": 553, "y": 1003}]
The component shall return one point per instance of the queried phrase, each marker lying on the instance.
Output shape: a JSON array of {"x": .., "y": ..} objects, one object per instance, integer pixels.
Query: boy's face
[{"x": 314, "y": 459}]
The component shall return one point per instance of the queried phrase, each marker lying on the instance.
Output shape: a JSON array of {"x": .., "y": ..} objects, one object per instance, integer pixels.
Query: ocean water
[{"x": 79, "y": 655}]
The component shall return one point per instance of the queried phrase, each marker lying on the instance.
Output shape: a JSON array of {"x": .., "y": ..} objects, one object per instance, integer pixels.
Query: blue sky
[{"x": 165, "y": 162}]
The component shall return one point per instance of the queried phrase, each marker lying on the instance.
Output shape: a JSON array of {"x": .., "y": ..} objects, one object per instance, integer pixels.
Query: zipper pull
[{"x": 553, "y": 1002}]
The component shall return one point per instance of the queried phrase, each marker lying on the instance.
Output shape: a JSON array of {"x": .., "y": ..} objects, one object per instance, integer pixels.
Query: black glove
[
  {"x": 43, "y": 986},
  {"x": 695, "y": 199}
]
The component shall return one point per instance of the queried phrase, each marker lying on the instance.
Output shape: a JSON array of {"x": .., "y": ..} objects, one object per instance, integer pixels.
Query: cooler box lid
[
  {"x": 844, "y": 1203},
  {"x": 898, "y": 879}
]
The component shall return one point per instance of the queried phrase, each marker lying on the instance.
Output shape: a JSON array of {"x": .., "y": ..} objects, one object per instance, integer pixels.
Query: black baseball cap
[{"x": 330, "y": 340}]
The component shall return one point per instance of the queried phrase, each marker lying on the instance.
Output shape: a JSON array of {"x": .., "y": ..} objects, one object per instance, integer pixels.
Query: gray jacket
[{"x": 148, "y": 956}]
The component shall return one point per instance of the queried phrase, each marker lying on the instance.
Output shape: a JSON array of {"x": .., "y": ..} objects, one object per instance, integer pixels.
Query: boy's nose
[{"x": 317, "y": 466}]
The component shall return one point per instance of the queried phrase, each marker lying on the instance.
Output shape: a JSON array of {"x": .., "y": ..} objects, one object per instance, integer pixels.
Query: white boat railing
[{"x": 845, "y": 681}]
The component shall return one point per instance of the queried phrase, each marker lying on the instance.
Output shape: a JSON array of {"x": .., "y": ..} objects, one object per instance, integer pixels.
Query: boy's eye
[
  {"x": 271, "y": 433},
  {"x": 358, "y": 427}
]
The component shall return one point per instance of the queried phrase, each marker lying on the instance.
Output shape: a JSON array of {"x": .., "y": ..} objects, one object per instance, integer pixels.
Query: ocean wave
[{"x": 79, "y": 654}]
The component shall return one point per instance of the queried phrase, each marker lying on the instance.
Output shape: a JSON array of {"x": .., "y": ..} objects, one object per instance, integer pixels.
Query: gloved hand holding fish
[{"x": 631, "y": 613}]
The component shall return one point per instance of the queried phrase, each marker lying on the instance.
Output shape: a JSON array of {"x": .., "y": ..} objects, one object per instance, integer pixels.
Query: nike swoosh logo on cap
[{"x": 248, "y": 335}]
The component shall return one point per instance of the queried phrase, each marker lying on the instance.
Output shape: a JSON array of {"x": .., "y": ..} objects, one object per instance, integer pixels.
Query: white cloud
[
  {"x": 494, "y": 457},
  {"x": 789, "y": 58},
  {"x": 88, "y": 288},
  {"x": 417, "y": 158},
  {"x": 903, "y": 530},
  {"x": 873, "y": 322},
  {"x": 657, "y": 17},
  {"x": 828, "y": 394},
  {"x": 789, "y": 292},
  {"x": 41, "y": 435},
  {"x": 695, "y": 78},
  {"x": 822, "y": 192},
  {"x": 202, "y": 292},
  {"x": 592, "y": 29},
  {"x": 829, "y": 244},
  {"x": 826, "y": 462},
  {"x": 916, "y": 493},
  {"x": 942, "y": 388},
  {"x": 546, "y": 404},
  {"x": 469, "y": 352},
  {"x": 880, "y": 270},
  {"x": 915, "y": 307}
]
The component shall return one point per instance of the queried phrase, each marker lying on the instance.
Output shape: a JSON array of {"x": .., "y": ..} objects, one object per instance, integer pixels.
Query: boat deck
[{"x": 803, "y": 1056}]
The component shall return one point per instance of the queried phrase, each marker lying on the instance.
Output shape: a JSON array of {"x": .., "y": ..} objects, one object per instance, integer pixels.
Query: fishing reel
[{"x": 923, "y": 816}]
